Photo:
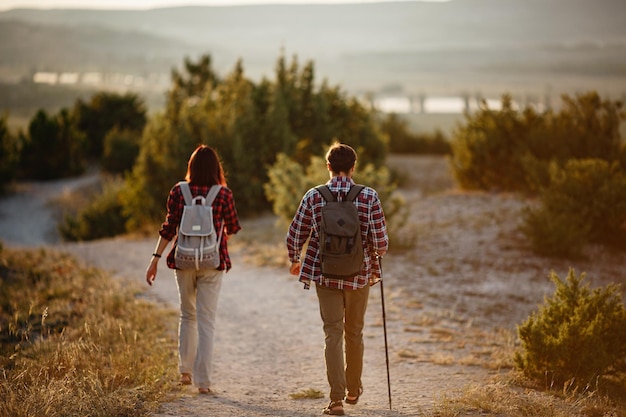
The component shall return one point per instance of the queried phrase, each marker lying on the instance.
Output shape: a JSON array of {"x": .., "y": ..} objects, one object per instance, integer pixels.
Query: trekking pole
[{"x": 382, "y": 301}]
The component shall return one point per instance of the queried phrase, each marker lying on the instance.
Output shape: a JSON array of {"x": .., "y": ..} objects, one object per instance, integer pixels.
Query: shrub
[
  {"x": 287, "y": 184},
  {"x": 249, "y": 124},
  {"x": 104, "y": 112},
  {"x": 486, "y": 151},
  {"x": 585, "y": 202},
  {"x": 103, "y": 217},
  {"x": 576, "y": 337},
  {"x": 9, "y": 154},
  {"x": 288, "y": 181},
  {"x": 402, "y": 140},
  {"x": 556, "y": 234},
  {"x": 512, "y": 150},
  {"x": 121, "y": 148},
  {"x": 435, "y": 143},
  {"x": 53, "y": 147}
]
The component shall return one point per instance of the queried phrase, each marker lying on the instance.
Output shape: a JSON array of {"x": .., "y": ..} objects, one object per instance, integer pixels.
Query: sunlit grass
[
  {"x": 310, "y": 394},
  {"x": 76, "y": 342},
  {"x": 507, "y": 399}
]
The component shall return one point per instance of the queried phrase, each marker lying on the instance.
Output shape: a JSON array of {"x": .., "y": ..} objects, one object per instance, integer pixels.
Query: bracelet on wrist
[{"x": 156, "y": 255}]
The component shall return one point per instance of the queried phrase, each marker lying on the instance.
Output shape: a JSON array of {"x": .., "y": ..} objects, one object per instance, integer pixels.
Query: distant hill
[
  {"x": 47, "y": 47},
  {"x": 410, "y": 46}
]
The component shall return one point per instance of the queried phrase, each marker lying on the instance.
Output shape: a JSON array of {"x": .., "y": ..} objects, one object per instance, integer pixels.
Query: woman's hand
[{"x": 152, "y": 271}]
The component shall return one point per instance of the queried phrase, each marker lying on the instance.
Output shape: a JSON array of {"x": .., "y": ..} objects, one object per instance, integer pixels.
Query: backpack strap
[
  {"x": 325, "y": 192},
  {"x": 213, "y": 192},
  {"x": 354, "y": 192},
  {"x": 184, "y": 188},
  {"x": 210, "y": 197}
]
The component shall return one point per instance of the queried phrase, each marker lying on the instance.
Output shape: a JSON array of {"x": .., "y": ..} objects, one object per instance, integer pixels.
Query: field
[{"x": 453, "y": 301}]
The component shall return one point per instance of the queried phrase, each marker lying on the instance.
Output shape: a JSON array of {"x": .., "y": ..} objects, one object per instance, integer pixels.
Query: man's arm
[
  {"x": 297, "y": 235},
  {"x": 378, "y": 228},
  {"x": 299, "y": 230}
]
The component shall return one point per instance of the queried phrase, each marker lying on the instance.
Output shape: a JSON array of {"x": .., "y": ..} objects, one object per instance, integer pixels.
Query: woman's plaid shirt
[
  {"x": 306, "y": 223},
  {"x": 223, "y": 212}
]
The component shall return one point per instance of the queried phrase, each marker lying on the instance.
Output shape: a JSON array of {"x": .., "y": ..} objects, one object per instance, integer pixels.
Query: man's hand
[{"x": 294, "y": 269}]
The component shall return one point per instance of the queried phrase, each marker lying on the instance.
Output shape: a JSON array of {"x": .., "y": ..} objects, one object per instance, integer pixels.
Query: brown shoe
[
  {"x": 204, "y": 391},
  {"x": 354, "y": 399},
  {"x": 185, "y": 378},
  {"x": 335, "y": 408}
]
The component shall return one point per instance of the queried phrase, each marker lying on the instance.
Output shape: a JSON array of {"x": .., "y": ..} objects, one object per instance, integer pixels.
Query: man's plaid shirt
[
  {"x": 306, "y": 223},
  {"x": 223, "y": 212}
]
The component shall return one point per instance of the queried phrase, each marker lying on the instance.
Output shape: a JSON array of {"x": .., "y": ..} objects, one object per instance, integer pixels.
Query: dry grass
[
  {"x": 76, "y": 342},
  {"x": 503, "y": 399},
  {"x": 308, "y": 394}
]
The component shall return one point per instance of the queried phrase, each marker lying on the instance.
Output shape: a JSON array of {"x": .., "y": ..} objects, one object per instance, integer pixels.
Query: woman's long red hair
[{"x": 204, "y": 167}]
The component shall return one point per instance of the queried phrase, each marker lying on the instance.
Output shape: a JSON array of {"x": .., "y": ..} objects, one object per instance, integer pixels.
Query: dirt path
[
  {"x": 269, "y": 340},
  {"x": 469, "y": 275},
  {"x": 27, "y": 217},
  {"x": 269, "y": 344}
]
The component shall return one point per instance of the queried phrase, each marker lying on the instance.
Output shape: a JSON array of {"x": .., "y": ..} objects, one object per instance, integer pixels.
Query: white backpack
[{"x": 198, "y": 245}]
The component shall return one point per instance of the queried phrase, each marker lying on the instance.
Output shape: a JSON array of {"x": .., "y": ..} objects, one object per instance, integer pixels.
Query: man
[{"x": 342, "y": 302}]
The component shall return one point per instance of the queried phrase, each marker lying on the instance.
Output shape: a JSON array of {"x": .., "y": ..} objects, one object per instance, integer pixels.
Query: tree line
[
  {"x": 250, "y": 124},
  {"x": 272, "y": 133}
]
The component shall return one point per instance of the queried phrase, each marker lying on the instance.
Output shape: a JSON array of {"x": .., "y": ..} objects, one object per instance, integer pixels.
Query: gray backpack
[
  {"x": 198, "y": 244},
  {"x": 341, "y": 247}
]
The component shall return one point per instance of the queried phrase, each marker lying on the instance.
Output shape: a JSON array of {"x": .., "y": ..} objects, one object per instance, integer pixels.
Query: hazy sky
[{"x": 148, "y": 4}]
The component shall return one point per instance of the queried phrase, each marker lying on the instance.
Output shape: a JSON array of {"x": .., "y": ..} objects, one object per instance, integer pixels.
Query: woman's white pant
[{"x": 198, "y": 294}]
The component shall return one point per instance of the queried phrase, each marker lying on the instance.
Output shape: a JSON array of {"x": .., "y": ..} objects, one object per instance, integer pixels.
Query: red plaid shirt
[
  {"x": 223, "y": 212},
  {"x": 306, "y": 223}
]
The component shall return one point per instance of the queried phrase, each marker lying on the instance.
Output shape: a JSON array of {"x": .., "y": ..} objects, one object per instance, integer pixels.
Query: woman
[{"x": 198, "y": 289}]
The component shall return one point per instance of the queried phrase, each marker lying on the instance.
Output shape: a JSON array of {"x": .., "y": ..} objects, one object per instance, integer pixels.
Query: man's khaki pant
[{"x": 343, "y": 314}]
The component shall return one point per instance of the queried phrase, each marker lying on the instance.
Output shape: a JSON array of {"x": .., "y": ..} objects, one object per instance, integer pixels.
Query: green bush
[
  {"x": 435, "y": 143},
  {"x": 576, "y": 337},
  {"x": 249, "y": 124},
  {"x": 512, "y": 150},
  {"x": 403, "y": 141},
  {"x": 556, "y": 234},
  {"x": 104, "y": 112},
  {"x": 288, "y": 181},
  {"x": 121, "y": 148},
  {"x": 585, "y": 202},
  {"x": 9, "y": 154},
  {"x": 103, "y": 217},
  {"x": 53, "y": 147},
  {"x": 487, "y": 150}
]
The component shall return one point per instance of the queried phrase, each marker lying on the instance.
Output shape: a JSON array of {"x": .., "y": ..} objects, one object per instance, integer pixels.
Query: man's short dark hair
[{"x": 341, "y": 157}]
